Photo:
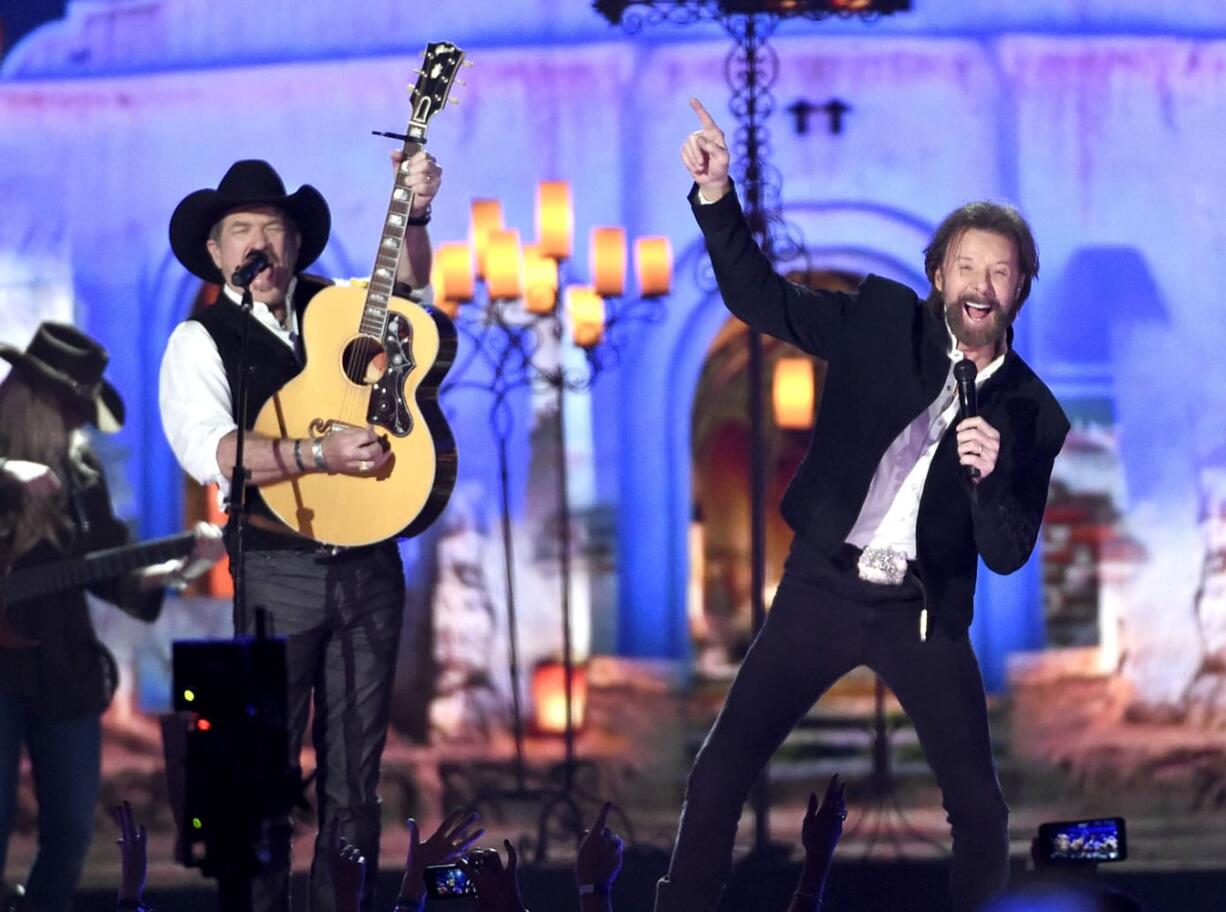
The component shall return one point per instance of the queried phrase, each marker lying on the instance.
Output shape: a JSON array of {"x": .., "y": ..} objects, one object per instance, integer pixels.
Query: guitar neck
[
  {"x": 430, "y": 94},
  {"x": 391, "y": 244},
  {"x": 74, "y": 572}
]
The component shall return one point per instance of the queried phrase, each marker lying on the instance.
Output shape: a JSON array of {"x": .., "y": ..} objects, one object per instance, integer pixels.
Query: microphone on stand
[
  {"x": 968, "y": 398},
  {"x": 257, "y": 261}
]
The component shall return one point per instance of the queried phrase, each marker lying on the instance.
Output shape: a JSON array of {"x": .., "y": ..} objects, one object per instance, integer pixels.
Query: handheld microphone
[
  {"x": 257, "y": 261},
  {"x": 968, "y": 398}
]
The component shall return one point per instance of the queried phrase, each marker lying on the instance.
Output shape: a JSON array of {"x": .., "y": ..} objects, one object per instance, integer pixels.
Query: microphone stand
[
  {"x": 238, "y": 475},
  {"x": 235, "y": 881}
]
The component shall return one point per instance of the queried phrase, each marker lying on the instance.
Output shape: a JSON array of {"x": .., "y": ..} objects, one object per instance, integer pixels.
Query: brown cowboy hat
[
  {"x": 250, "y": 182},
  {"x": 65, "y": 359}
]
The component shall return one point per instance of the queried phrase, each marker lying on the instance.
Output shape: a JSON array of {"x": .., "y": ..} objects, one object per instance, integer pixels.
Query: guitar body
[{"x": 352, "y": 379}]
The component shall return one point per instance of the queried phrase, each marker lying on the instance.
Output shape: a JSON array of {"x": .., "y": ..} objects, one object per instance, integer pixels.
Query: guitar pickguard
[{"x": 387, "y": 406}]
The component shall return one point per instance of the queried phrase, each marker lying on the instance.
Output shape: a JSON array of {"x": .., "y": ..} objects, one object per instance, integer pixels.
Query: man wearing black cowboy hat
[
  {"x": 56, "y": 678},
  {"x": 340, "y": 609}
]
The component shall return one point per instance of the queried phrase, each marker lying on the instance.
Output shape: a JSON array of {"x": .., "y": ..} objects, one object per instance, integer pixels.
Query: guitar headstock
[{"x": 438, "y": 72}]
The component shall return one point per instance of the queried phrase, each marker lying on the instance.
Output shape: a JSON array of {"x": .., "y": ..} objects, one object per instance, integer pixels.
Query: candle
[
  {"x": 555, "y": 219},
  {"x": 549, "y": 697},
  {"x": 792, "y": 393},
  {"x": 452, "y": 273},
  {"x": 653, "y": 262},
  {"x": 608, "y": 256},
  {"x": 486, "y": 217},
  {"x": 540, "y": 280},
  {"x": 586, "y": 310},
  {"x": 503, "y": 265}
]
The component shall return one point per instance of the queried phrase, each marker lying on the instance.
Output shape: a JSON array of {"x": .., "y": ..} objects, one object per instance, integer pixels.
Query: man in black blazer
[{"x": 892, "y": 506}]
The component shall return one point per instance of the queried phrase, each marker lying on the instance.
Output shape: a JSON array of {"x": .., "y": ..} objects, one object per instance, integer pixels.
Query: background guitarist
[
  {"x": 340, "y": 609},
  {"x": 56, "y": 678}
]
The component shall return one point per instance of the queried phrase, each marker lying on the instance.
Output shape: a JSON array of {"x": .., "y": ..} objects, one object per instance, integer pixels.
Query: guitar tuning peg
[
  {"x": 461, "y": 82},
  {"x": 468, "y": 63},
  {"x": 453, "y": 100}
]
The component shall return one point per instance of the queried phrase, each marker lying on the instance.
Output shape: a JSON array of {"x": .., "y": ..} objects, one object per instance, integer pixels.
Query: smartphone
[
  {"x": 1101, "y": 840},
  {"x": 451, "y": 881}
]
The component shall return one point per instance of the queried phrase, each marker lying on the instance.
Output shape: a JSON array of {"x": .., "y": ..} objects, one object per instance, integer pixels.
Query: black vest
[{"x": 273, "y": 364}]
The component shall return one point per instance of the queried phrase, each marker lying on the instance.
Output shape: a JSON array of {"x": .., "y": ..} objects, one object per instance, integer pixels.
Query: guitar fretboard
[
  {"x": 391, "y": 246},
  {"x": 73, "y": 572}
]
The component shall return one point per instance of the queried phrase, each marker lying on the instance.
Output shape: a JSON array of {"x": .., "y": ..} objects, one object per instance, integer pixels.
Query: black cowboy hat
[
  {"x": 65, "y": 359},
  {"x": 250, "y": 182}
]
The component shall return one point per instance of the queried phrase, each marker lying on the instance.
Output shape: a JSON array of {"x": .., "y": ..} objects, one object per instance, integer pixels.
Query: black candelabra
[{"x": 515, "y": 339}]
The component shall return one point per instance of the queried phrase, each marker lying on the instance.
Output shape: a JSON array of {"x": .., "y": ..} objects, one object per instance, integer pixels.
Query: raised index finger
[
  {"x": 602, "y": 817},
  {"x": 707, "y": 121}
]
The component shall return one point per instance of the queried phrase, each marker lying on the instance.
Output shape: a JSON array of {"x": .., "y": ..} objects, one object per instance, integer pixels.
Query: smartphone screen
[
  {"x": 1101, "y": 840},
  {"x": 448, "y": 882}
]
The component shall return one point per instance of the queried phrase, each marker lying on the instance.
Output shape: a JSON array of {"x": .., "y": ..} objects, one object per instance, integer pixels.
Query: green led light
[
  {"x": 197, "y": 823},
  {"x": 189, "y": 695}
]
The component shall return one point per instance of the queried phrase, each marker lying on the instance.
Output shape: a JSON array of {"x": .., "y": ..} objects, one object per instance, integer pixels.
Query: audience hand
[
  {"x": 498, "y": 887},
  {"x": 600, "y": 853},
  {"x": 348, "y": 868},
  {"x": 823, "y": 826},
  {"x": 133, "y": 852},
  {"x": 820, "y": 832},
  {"x": 451, "y": 840}
]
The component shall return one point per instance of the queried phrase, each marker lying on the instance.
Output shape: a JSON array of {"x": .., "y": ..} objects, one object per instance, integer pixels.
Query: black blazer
[{"x": 888, "y": 357}]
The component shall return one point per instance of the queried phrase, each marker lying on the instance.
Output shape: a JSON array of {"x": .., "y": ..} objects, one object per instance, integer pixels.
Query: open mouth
[{"x": 976, "y": 311}]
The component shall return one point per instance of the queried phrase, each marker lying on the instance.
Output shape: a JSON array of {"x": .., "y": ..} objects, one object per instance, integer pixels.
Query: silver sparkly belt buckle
[{"x": 883, "y": 566}]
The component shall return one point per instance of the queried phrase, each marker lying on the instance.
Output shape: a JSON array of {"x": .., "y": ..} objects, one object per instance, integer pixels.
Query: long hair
[
  {"x": 998, "y": 218},
  {"x": 34, "y": 426}
]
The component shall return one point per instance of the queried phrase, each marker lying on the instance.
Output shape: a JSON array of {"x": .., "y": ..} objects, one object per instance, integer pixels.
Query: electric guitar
[
  {"x": 373, "y": 358},
  {"x": 29, "y": 583}
]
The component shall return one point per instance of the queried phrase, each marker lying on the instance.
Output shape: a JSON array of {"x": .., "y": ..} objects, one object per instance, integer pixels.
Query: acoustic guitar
[
  {"x": 28, "y": 583},
  {"x": 374, "y": 358}
]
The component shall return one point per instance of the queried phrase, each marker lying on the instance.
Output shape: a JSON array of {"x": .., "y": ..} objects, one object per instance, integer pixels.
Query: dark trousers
[
  {"x": 64, "y": 758},
  {"x": 824, "y": 622},
  {"x": 341, "y": 616}
]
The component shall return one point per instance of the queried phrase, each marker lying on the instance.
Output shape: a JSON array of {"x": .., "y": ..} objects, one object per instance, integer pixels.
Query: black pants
[
  {"x": 824, "y": 622},
  {"x": 341, "y": 616}
]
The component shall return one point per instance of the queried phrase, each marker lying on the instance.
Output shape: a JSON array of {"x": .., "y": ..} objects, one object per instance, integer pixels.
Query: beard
[{"x": 989, "y": 331}]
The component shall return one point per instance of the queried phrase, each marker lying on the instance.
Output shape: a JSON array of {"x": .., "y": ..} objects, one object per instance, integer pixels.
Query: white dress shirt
[
  {"x": 194, "y": 394},
  {"x": 887, "y": 518}
]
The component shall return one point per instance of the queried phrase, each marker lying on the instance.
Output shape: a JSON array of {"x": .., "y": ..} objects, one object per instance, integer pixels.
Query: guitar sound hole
[{"x": 364, "y": 360}]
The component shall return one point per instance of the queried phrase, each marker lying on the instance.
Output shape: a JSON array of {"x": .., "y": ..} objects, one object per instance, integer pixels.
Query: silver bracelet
[
  {"x": 298, "y": 455},
  {"x": 317, "y": 451}
]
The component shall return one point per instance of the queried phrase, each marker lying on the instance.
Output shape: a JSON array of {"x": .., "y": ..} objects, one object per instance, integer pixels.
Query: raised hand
[
  {"x": 452, "y": 839},
  {"x": 497, "y": 887},
  {"x": 348, "y": 868},
  {"x": 705, "y": 155},
  {"x": 423, "y": 176},
  {"x": 823, "y": 826},
  {"x": 355, "y": 451},
  {"x": 133, "y": 853},
  {"x": 600, "y": 853}
]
